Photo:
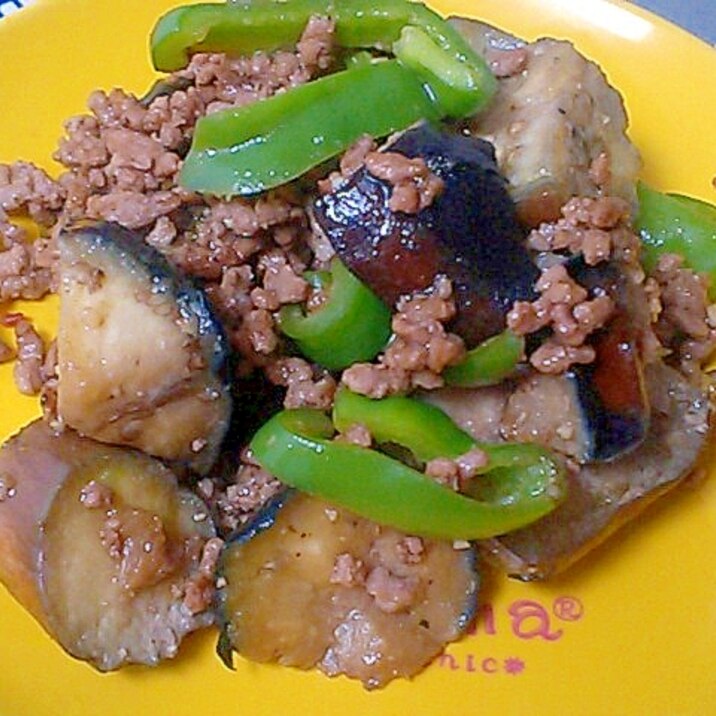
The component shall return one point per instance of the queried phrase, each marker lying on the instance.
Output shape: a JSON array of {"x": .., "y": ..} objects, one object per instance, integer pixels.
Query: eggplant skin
[
  {"x": 143, "y": 361},
  {"x": 280, "y": 603},
  {"x": 103, "y": 605},
  {"x": 470, "y": 233},
  {"x": 604, "y": 496}
]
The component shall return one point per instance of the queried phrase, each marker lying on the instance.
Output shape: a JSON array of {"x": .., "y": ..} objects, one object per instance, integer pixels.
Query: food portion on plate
[{"x": 354, "y": 302}]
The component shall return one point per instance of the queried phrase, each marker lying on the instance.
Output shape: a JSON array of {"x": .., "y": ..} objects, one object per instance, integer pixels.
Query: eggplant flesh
[
  {"x": 280, "y": 605},
  {"x": 549, "y": 128},
  {"x": 603, "y": 496},
  {"x": 104, "y": 578},
  {"x": 142, "y": 359},
  {"x": 469, "y": 233}
]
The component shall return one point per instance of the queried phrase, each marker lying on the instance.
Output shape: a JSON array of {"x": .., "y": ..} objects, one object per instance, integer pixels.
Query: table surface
[{"x": 697, "y": 16}]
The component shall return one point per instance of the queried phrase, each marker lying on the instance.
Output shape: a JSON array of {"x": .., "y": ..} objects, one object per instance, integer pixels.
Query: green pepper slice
[
  {"x": 352, "y": 325},
  {"x": 429, "y": 433},
  {"x": 246, "y": 150},
  {"x": 243, "y": 28},
  {"x": 458, "y": 87},
  {"x": 295, "y": 446},
  {"x": 489, "y": 363},
  {"x": 672, "y": 223}
]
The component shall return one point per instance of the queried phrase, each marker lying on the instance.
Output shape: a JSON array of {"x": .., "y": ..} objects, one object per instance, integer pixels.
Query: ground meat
[
  {"x": 315, "y": 48},
  {"x": 420, "y": 350},
  {"x": 456, "y": 473},
  {"x": 553, "y": 357},
  {"x": 307, "y": 388},
  {"x": 122, "y": 158},
  {"x": 683, "y": 323},
  {"x": 376, "y": 381},
  {"x": 351, "y": 161},
  {"x": 357, "y": 434},
  {"x": 348, "y": 571},
  {"x": 415, "y": 187},
  {"x": 200, "y": 587},
  {"x": 249, "y": 491},
  {"x": 133, "y": 209},
  {"x": 136, "y": 540},
  {"x": 563, "y": 307},
  {"x": 281, "y": 284},
  {"x": 598, "y": 228},
  {"x": 30, "y": 354},
  {"x": 392, "y": 593},
  {"x": 25, "y": 188},
  {"x": 27, "y": 268},
  {"x": 411, "y": 550}
]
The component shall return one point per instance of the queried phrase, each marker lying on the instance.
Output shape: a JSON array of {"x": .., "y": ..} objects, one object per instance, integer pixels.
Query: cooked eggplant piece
[
  {"x": 311, "y": 585},
  {"x": 99, "y": 544},
  {"x": 469, "y": 233},
  {"x": 552, "y": 130},
  {"x": 612, "y": 391},
  {"x": 142, "y": 358},
  {"x": 602, "y": 497}
]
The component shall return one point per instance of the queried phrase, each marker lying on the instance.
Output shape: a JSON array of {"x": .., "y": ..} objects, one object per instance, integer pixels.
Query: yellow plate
[{"x": 631, "y": 631}]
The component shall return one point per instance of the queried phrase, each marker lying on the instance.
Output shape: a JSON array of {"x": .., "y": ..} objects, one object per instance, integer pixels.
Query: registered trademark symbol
[{"x": 568, "y": 609}]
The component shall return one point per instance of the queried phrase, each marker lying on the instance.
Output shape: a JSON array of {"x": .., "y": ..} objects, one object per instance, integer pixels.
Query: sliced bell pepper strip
[
  {"x": 429, "y": 433},
  {"x": 459, "y": 87},
  {"x": 242, "y": 28},
  {"x": 352, "y": 325},
  {"x": 295, "y": 446},
  {"x": 671, "y": 223},
  {"x": 253, "y": 148},
  {"x": 489, "y": 363}
]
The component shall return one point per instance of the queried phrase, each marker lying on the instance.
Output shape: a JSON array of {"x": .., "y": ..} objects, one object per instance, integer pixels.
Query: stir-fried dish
[{"x": 354, "y": 301}]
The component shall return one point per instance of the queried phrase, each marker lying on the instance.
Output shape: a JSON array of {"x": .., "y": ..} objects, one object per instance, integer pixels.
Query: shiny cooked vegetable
[
  {"x": 296, "y": 447},
  {"x": 242, "y": 28},
  {"x": 250, "y": 149},
  {"x": 673, "y": 223},
  {"x": 352, "y": 325},
  {"x": 279, "y": 602},
  {"x": 489, "y": 363}
]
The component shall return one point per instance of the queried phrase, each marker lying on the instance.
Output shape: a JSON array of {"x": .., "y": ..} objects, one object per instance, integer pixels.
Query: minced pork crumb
[
  {"x": 356, "y": 434},
  {"x": 686, "y": 322},
  {"x": 28, "y": 368},
  {"x": 455, "y": 473},
  {"x": 420, "y": 350},
  {"x": 598, "y": 228},
  {"x": 199, "y": 589},
  {"x": 415, "y": 187},
  {"x": 249, "y": 489},
  {"x": 564, "y": 307}
]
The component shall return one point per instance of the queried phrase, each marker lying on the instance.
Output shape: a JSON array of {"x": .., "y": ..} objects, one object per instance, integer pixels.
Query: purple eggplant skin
[
  {"x": 611, "y": 391},
  {"x": 470, "y": 233}
]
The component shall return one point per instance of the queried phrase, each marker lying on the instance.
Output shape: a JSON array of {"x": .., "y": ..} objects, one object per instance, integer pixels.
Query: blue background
[{"x": 697, "y": 16}]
